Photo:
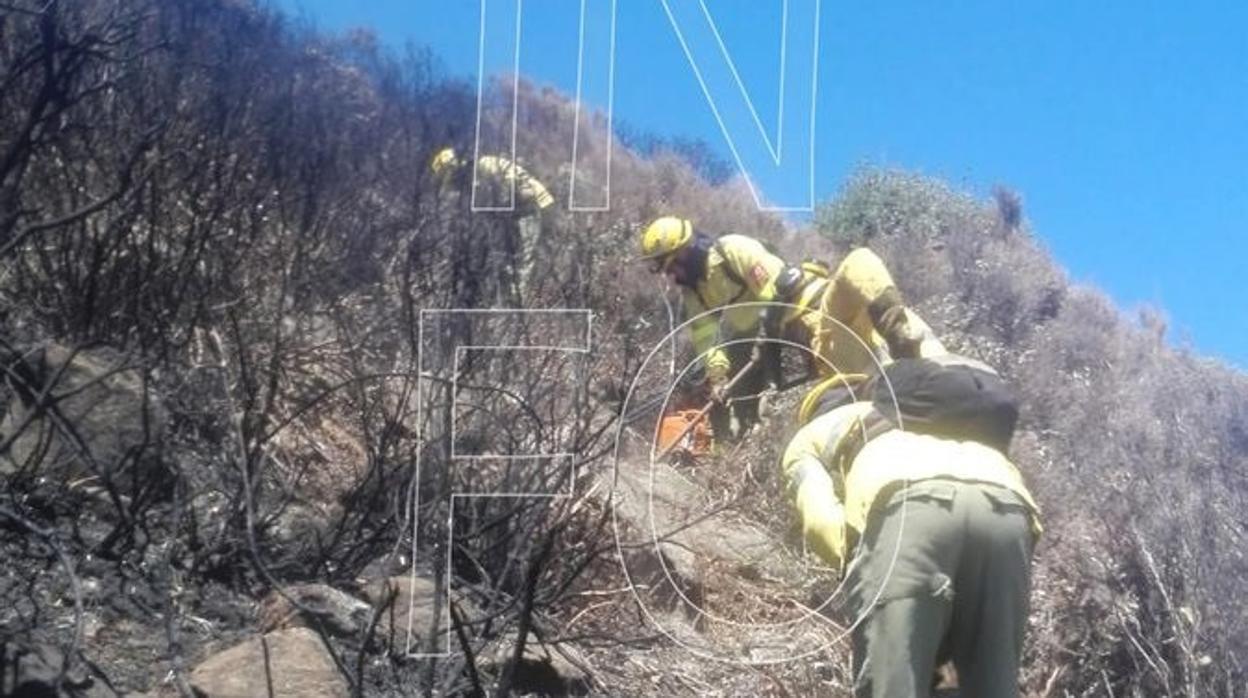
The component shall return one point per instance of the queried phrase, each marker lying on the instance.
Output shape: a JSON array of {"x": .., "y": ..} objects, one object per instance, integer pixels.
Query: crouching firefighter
[
  {"x": 713, "y": 274},
  {"x": 908, "y": 480},
  {"x": 849, "y": 318}
]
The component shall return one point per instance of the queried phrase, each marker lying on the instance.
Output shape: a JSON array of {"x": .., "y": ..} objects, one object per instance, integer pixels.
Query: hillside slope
[{"x": 232, "y": 409}]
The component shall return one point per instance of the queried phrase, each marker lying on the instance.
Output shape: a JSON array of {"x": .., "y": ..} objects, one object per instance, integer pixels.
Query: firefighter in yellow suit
[
  {"x": 715, "y": 273},
  {"x": 532, "y": 199},
  {"x": 939, "y": 534},
  {"x": 851, "y": 318}
]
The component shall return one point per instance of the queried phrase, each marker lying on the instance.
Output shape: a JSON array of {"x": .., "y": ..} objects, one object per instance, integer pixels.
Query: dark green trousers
[{"x": 942, "y": 572}]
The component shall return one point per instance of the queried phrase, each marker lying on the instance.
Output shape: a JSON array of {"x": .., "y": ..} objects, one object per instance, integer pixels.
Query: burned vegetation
[{"x": 262, "y": 433}]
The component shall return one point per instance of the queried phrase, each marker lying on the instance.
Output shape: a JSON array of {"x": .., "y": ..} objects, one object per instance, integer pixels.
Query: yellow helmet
[
  {"x": 444, "y": 159},
  {"x": 664, "y": 237}
]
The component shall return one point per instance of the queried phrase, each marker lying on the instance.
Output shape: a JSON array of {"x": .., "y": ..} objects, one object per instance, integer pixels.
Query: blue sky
[{"x": 1122, "y": 124}]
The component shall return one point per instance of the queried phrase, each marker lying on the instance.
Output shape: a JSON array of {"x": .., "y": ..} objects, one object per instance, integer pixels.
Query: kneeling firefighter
[{"x": 908, "y": 478}]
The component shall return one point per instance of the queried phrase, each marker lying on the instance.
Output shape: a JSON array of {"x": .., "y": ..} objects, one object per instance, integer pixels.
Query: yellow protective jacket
[
  {"x": 832, "y": 504},
  {"x": 833, "y": 319},
  {"x": 739, "y": 269},
  {"x": 529, "y": 191}
]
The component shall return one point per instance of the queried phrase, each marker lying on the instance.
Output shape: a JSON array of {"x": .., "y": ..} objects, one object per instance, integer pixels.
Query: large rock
[
  {"x": 303, "y": 523},
  {"x": 671, "y": 543},
  {"x": 541, "y": 671},
  {"x": 114, "y": 427},
  {"x": 408, "y": 602},
  {"x": 314, "y": 606},
  {"x": 34, "y": 670},
  {"x": 291, "y": 663}
]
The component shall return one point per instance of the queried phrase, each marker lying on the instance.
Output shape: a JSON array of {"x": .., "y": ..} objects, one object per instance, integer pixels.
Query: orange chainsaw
[{"x": 685, "y": 427}]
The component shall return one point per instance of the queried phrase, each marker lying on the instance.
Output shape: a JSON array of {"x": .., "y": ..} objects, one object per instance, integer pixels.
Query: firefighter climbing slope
[
  {"x": 850, "y": 318},
  {"x": 499, "y": 177},
  {"x": 934, "y": 521}
]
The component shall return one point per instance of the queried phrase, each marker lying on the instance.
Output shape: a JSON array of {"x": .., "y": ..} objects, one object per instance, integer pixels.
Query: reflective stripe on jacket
[{"x": 529, "y": 191}]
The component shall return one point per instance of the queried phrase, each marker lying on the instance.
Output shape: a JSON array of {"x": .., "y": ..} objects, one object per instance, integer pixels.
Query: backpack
[{"x": 948, "y": 396}]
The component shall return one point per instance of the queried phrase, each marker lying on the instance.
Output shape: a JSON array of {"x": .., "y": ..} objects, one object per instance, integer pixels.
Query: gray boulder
[
  {"x": 407, "y": 602},
  {"x": 287, "y": 663},
  {"x": 315, "y": 606},
  {"x": 541, "y": 670},
  {"x": 36, "y": 670},
  {"x": 672, "y": 544},
  {"x": 104, "y": 424}
]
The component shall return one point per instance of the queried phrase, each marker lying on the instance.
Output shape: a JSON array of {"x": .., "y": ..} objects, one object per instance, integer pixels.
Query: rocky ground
[{"x": 703, "y": 591}]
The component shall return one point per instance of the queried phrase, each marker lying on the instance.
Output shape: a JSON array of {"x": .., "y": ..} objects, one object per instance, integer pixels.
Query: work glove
[
  {"x": 822, "y": 514},
  {"x": 717, "y": 368},
  {"x": 718, "y": 390},
  {"x": 825, "y": 535},
  {"x": 888, "y": 314},
  {"x": 903, "y": 339}
]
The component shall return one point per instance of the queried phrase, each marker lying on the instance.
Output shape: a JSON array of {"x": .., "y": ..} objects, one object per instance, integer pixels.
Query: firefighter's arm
[
  {"x": 705, "y": 335},
  {"x": 814, "y": 494},
  {"x": 528, "y": 188},
  {"x": 532, "y": 189}
]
